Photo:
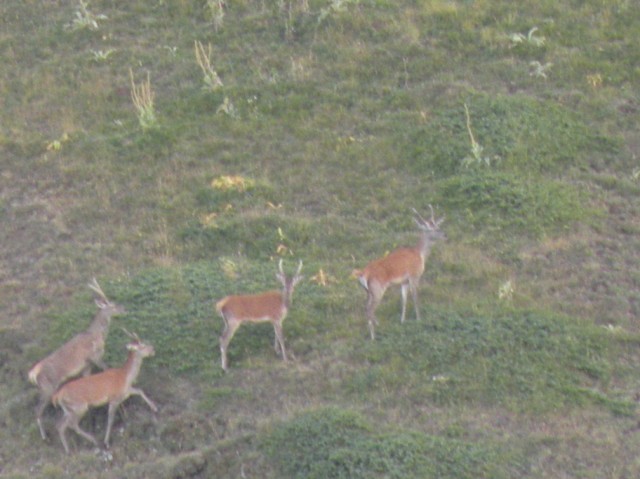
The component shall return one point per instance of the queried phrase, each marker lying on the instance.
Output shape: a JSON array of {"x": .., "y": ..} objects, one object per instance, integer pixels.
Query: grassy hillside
[{"x": 309, "y": 129}]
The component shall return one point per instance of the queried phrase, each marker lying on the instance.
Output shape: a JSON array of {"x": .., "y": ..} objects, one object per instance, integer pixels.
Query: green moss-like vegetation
[
  {"x": 542, "y": 361},
  {"x": 335, "y": 443},
  {"x": 496, "y": 203},
  {"x": 517, "y": 133}
]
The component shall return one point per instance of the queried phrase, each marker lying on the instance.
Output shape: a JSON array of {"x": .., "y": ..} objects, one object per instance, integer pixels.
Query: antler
[
  {"x": 94, "y": 286},
  {"x": 422, "y": 220},
  {"x": 435, "y": 222},
  {"x": 299, "y": 268},
  {"x": 432, "y": 224},
  {"x": 133, "y": 336},
  {"x": 281, "y": 271}
]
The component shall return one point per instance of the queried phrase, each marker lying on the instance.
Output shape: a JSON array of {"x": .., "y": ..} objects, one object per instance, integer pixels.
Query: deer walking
[
  {"x": 403, "y": 266},
  {"x": 112, "y": 386},
  {"x": 271, "y": 306},
  {"x": 75, "y": 357}
]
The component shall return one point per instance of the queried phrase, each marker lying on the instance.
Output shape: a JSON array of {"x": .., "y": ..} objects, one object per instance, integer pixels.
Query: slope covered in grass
[{"x": 309, "y": 130}]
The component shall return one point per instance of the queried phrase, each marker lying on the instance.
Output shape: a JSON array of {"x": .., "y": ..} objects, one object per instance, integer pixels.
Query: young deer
[
  {"x": 75, "y": 357},
  {"x": 112, "y": 387},
  {"x": 271, "y": 306},
  {"x": 403, "y": 266}
]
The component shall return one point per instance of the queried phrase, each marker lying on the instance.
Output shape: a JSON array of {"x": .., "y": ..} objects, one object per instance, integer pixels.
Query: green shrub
[
  {"x": 333, "y": 443},
  {"x": 500, "y": 203},
  {"x": 529, "y": 362},
  {"x": 256, "y": 236},
  {"x": 519, "y": 134}
]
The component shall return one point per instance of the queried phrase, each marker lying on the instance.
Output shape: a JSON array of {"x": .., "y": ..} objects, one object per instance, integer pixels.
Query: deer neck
[
  {"x": 132, "y": 367},
  {"x": 100, "y": 324},
  {"x": 424, "y": 245},
  {"x": 286, "y": 296}
]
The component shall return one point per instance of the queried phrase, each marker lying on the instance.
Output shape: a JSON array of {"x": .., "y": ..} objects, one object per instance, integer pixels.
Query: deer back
[
  {"x": 94, "y": 390},
  {"x": 252, "y": 307},
  {"x": 68, "y": 361},
  {"x": 77, "y": 354},
  {"x": 394, "y": 268},
  {"x": 105, "y": 386}
]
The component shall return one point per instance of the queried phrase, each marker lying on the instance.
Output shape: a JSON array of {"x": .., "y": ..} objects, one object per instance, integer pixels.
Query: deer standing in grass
[
  {"x": 271, "y": 306},
  {"x": 112, "y": 386},
  {"x": 75, "y": 357},
  {"x": 403, "y": 266}
]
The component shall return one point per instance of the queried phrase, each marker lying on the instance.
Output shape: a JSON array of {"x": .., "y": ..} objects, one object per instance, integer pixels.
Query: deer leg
[
  {"x": 72, "y": 418},
  {"x": 276, "y": 343},
  {"x": 140, "y": 392},
  {"x": 277, "y": 326},
  {"x": 413, "y": 286},
  {"x": 225, "y": 339},
  {"x": 89, "y": 437},
  {"x": 374, "y": 295},
  {"x": 42, "y": 405},
  {"x": 403, "y": 292},
  {"x": 110, "y": 417},
  {"x": 62, "y": 428}
]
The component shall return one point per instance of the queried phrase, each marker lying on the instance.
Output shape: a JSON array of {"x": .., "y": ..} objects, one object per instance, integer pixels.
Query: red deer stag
[
  {"x": 271, "y": 306},
  {"x": 75, "y": 357},
  {"x": 403, "y": 266},
  {"x": 112, "y": 386}
]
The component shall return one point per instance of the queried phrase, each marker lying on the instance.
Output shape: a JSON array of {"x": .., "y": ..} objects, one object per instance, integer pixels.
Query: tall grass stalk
[
  {"x": 210, "y": 77},
  {"x": 143, "y": 100},
  {"x": 476, "y": 148}
]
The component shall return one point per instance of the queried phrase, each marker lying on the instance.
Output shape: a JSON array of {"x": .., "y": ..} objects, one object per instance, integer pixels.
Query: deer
[
  {"x": 403, "y": 267},
  {"x": 76, "y": 356},
  {"x": 111, "y": 386},
  {"x": 271, "y": 306}
]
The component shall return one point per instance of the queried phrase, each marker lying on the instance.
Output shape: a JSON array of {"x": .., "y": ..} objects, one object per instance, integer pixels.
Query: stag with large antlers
[
  {"x": 75, "y": 357},
  {"x": 271, "y": 306},
  {"x": 403, "y": 266},
  {"x": 112, "y": 386}
]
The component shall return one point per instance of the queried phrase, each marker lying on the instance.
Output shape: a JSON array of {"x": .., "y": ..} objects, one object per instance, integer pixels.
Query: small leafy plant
[
  {"x": 99, "y": 56},
  {"x": 84, "y": 19},
  {"x": 335, "y": 6},
  {"x": 530, "y": 39},
  {"x": 215, "y": 10},
  {"x": 538, "y": 70},
  {"x": 234, "y": 182},
  {"x": 506, "y": 290},
  {"x": 228, "y": 108}
]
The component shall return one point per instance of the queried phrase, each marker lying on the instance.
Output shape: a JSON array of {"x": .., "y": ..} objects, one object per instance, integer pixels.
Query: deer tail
[
  {"x": 221, "y": 304},
  {"x": 34, "y": 372}
]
